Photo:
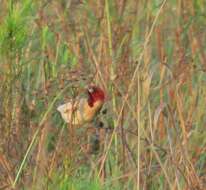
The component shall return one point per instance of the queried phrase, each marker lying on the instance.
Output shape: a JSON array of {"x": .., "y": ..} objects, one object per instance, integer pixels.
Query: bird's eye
[{"x": 90, "y": 90}]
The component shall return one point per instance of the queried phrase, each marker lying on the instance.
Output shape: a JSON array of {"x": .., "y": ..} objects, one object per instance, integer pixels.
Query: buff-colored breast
[{"x": 90, "y": 112}]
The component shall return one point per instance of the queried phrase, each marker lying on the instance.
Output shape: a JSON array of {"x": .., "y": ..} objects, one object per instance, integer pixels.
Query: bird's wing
[
  {"x": 72, "y": 111},
  {"x": 67, "y": 109}
]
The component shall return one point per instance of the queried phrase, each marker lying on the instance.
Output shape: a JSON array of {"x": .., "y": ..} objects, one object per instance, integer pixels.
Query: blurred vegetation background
[{"x": 148, "y": 56}]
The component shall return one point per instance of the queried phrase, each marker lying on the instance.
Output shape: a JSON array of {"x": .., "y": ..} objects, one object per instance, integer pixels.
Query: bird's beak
[{"x": 90, "y": 90}]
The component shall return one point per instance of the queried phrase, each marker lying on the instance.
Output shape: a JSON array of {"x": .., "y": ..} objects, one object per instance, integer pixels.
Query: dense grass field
[{"x": 149, "y": 56}]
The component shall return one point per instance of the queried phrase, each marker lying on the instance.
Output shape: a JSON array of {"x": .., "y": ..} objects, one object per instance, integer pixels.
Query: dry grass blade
[{"x": 132, "y": 81}]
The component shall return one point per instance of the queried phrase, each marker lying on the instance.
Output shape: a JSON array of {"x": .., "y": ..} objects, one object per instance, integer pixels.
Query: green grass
[{"x": 149, "y": 57}]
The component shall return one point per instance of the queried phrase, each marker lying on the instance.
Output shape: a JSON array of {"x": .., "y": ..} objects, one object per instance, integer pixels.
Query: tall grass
[{"x": 148, "y": 56}]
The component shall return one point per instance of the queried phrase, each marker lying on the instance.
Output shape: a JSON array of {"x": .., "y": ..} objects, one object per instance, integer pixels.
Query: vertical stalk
[
  {"x": 139, "y": 131},
  {"x": 41, "y": 69},
  {"x": 9, "y": 85},
  {"x": 54, "y": 65},
  {"x": 112, "y": 69}
]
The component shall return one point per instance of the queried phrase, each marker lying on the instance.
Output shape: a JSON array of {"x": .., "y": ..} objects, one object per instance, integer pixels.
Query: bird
[{"x": 84, "y": 109}]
